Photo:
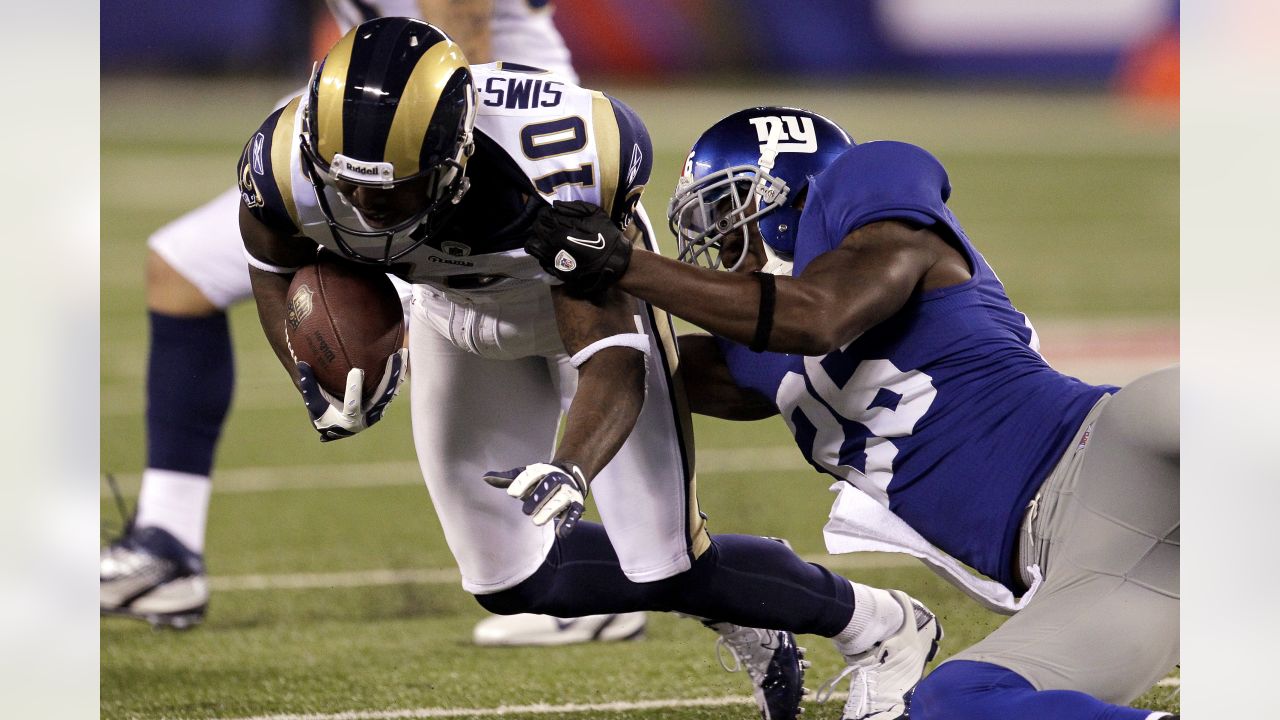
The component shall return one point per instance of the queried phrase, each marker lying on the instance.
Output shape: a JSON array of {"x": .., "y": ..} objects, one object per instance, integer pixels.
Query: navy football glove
[
  {"x": 577, "y": 242},
  {"x": 549, "y": 491},
  {"x": 336, "y": 418}
]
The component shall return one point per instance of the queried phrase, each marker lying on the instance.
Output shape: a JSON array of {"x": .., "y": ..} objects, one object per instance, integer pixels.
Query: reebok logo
[
  {"x": 637, "y": 157},
  {"x": 258, "y": 141},
  {"x": 596, "y": 244}
]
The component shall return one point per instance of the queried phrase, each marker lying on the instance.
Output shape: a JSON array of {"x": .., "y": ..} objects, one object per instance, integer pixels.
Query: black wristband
[{"x": 764, "y": 317}]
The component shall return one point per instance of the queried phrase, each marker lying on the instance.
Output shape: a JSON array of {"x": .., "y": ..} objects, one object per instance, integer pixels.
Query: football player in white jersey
[
  {"x": 403, "y": 157},
  {"x": 195, "y": 271}
]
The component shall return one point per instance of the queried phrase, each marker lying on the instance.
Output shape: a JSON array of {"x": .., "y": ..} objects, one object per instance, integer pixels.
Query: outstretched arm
[{"x": 840, "y": 295}]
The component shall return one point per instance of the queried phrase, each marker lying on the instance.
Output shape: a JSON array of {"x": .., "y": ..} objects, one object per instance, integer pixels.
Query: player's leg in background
[
  {"x": 1104, "y": 627},
  {"x": 195, "y": 269}
]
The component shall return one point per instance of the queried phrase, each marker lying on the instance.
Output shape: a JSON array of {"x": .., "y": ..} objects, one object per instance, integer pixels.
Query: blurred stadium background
[{"x": 333, "y": 590}]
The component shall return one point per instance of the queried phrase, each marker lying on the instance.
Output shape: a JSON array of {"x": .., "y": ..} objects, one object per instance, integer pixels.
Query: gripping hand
[
  {"x": 548, "y": 491},
  {"x": 336, "y": 418},
  {"x": 577, "y": 242}
]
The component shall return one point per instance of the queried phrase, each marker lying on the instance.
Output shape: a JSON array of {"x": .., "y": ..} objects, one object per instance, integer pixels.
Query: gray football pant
[{"x": 1104, "y": 530}]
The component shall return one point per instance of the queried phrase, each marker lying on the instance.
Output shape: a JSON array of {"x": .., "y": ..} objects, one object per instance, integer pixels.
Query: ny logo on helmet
[{"x": 793, "y": 133}]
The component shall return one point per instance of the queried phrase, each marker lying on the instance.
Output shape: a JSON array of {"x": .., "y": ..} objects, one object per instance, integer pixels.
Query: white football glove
[
  {"x": 339, "y": 418},
  {"x": 549, "y": 491}
]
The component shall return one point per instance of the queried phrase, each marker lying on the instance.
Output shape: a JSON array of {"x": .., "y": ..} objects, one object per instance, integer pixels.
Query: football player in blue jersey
[
  {"x": 859, "y": 310},
  {"x": 404, "y": 157}
]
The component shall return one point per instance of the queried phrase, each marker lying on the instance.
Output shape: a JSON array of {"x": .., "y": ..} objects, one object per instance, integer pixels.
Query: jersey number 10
[{"x": 557, "y": 137}]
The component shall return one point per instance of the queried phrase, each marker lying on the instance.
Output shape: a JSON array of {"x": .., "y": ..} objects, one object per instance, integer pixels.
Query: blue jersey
[{"x": 946, "y": 412}]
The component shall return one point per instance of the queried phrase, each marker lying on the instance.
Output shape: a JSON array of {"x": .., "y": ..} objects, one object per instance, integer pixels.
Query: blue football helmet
[{"x": 750, "y": 166}]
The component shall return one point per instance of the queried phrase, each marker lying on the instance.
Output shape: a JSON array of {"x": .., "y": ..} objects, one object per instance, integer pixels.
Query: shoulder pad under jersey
[{"x": 870, "y": 182}]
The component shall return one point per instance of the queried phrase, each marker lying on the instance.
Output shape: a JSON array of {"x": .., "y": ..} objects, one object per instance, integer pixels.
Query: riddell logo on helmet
[
  {"x": 348, "y": 167},
  {"x": 794, "y": 133}
]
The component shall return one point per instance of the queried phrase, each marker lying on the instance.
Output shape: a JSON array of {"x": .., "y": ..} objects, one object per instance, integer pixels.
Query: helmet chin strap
[
  {"x": 769, "y": 152},
  {"x": 774, "y": 263}
]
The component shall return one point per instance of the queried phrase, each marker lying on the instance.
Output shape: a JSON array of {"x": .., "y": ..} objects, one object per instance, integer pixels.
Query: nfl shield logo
[
  {"x": 300, "y": 306},
  {"x": 455, "y": 249},
  {"x": 564, "y": 262}
]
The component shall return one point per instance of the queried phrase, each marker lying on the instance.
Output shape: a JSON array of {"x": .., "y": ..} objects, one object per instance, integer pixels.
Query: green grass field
[{"x": 334, "y": 592}]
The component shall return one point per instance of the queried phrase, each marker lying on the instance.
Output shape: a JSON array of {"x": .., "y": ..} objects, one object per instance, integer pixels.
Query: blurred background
[
  {"x": 1058, "y": 124},
  {"x": 1057, "y": 121},
  {"x": 1085, "y": 44}
]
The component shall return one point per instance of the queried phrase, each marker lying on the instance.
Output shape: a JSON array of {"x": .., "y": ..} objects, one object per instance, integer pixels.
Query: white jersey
[
  {"x": 521, "y": 31},
  {"x": 537, "y": 133}
]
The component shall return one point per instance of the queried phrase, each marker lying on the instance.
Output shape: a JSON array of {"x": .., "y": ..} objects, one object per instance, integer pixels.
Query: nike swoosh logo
[
  {"x": 565, "y": 624},
  {"x": 596, "y": 244}
]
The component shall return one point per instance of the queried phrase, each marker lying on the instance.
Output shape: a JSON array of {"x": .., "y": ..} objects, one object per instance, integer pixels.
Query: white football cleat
[
  {"x": 150, "y": 575},
  {"x": 884, "y": 677},
  {"x": 530, "y": 629}
]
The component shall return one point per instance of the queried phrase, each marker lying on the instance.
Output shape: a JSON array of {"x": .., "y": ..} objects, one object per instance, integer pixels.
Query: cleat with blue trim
[
  {"x": 530, "y": 629},
  {"x": 882, "y": 679},
  {"x": 773, "y": 661},
  {"x": 150, "y": 575}
]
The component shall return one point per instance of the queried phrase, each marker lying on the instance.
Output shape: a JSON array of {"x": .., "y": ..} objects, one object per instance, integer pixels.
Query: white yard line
[
  {"x": 538, "y": 709},
  {"x": 504, "y": 710},
  {"x": 357, "y": 578}
]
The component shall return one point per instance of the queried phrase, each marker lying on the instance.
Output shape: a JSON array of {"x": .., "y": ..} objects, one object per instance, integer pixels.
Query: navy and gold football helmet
[
  {"x": 390, "y": 108},
  {"x": 750, "y": 167}
]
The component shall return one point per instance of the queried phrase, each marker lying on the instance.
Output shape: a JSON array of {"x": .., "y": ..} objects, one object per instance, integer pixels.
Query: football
[{"x": 342, "y": 315}]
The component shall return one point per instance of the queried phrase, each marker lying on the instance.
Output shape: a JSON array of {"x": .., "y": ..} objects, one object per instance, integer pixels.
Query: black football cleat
[{"x": 774, "y": 663}]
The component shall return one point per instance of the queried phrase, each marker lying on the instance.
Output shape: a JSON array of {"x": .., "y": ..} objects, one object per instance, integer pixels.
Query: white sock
[
  {"x": 876, "y": 616},
  {"x": 177, "y": 502},
  {"x": 1159, "y": 715}
]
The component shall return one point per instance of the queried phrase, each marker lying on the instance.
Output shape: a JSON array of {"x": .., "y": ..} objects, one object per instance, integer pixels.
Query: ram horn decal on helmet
[{"x": 391, "y": 106}]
